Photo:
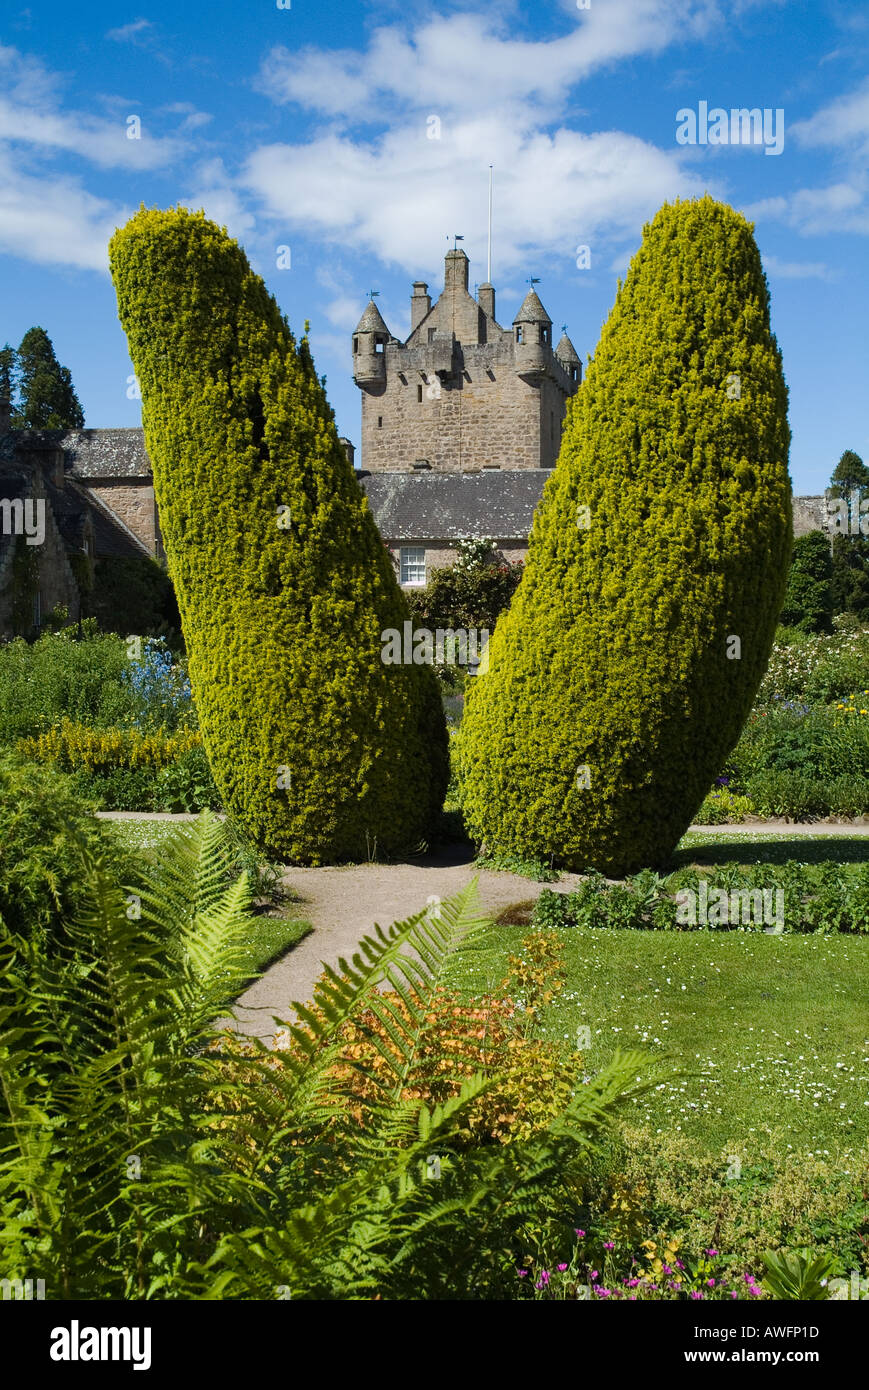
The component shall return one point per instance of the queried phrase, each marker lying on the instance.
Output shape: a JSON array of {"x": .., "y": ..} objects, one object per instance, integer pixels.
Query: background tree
[
  {"x": 850, "y": 553},
  {"x": 8, "y": 372},
  {"x": 47, "y": 398},
  {"x": 620, "y": 677},
  {"x": 850, "y": 472},
  {"x": 472, "y": 593},
  {"x": 808, "y": 603}
]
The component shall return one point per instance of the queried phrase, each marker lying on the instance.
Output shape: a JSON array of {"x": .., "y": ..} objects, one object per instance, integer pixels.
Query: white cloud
[
  {"x": 843, "y": 123},
  {"x": 54, "y": 221},
  {"x": 468, "y": 63},
  {"x": 30, "y": 114},
  {"x": 214, "y": 194},
  {"x": 840, "y": 207},
  {"x": 401, "y": 197},
  {"x": 797, "y": 270},
  {"x": 130, "y": 33}
]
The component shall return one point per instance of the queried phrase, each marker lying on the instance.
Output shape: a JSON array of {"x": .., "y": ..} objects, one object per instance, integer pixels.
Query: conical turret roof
[
  {"x": 565, "y": 351},
  {"x": 372, "y": 320},
  {"x": 531, "y": 310}
]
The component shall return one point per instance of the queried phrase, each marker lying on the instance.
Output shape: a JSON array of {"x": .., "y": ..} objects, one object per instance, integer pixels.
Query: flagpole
[{"x": 489, "y": 265}]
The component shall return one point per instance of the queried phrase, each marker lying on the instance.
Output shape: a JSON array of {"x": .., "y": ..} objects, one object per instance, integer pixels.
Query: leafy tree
[
  {"x": 47, "y": 398},
  {"x": 321, "y": 749},
  {"x": 850, "y": 553},
  {"x": 8, "y": 371},
  {"x": 472, "y": 593},
  {"x": 620, "y": 677},
  {"x": 808, "y": 603},
  {"x": 850, "y": 472}
]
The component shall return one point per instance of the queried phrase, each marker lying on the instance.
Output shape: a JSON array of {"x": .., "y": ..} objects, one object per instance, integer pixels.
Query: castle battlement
[{"x": 462, "y": 392}]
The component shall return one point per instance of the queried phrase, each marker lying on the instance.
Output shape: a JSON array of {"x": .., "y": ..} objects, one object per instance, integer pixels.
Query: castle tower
[
  {"x": 369, "y": 344},
  {"x": 462, "y": 394},
  {"x": 532, "y": 334},
  {"x": 569, "y": 358}
]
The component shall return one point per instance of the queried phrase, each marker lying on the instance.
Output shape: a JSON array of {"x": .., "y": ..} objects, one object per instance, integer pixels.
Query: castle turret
[
  {"x": 369, "y": 347},
  {"x": 567, "y": 355},
  {"x": 532, "y": 332}
]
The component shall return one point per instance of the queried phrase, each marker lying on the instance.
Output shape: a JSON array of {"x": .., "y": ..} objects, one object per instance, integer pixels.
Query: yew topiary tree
[
  {"x": 284, "y": 586},
  {"x": 620, "y": 678}
]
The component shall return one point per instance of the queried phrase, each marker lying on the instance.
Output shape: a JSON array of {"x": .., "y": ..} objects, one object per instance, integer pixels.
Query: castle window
[
  {"x": 520, "y": 335},
  {"x": 545, "y": 335},
  {"x": 378, "y": 342},
  {"x": 380, "y": 422},
  {"x": 431, "y": 334},
  {"x": 419, "y": 393},
  {"x": 412, "y": 565},
  {"x": 355, "y": 344}
]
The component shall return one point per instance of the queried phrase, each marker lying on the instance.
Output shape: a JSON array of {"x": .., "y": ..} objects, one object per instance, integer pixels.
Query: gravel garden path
[{"x": 344, "y": 903}]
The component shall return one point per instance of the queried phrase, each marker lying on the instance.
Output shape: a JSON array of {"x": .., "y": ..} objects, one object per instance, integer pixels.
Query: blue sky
[{"x": 311, "y": 127}]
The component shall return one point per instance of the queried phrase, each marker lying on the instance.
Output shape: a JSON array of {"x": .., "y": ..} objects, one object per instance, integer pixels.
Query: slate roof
[
  {"x": 117, "y": 453},
  {"x": 531, "y": 310},
  {"x": 372, "y": 320},
  {"x": 452, "y": 506}
]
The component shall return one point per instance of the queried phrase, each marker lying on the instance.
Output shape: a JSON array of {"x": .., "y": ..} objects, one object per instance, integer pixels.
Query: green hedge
[
  {"x": 610, "y": 703},
  {"x": 321, "y": 750},
  {"x": 823, "y": 898}
]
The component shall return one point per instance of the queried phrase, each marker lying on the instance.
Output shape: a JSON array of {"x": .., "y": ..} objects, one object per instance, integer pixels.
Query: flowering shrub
[
  {"x": 818, "y": 669},
  {"x": 656, "y": 1270},
  {"x": 161, "y": 689},
  {"x": 75, "y": 746}
]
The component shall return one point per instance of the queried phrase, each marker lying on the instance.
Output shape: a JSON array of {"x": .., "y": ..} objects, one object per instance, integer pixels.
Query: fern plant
[{"x": 138, "y": 1160}]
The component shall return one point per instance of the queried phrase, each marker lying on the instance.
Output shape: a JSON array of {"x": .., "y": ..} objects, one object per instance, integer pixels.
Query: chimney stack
[
  {"x": 420, "y": 303},
  {"x": 486, "y": 299}
]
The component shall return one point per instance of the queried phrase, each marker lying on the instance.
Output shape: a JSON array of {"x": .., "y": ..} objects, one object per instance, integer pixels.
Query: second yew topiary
[{"x": 621, "y": 676}]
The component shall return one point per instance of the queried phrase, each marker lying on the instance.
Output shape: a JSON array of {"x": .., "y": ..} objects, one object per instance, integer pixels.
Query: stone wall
[
  {"x": 56, "y": 581},
  {"x": 132, "y": 501},
  {"x": 483, "y": 415}
]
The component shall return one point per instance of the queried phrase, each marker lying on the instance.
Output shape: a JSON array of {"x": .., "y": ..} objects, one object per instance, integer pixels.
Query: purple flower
[
  {"x": 710, "y": 1252},
  {"x": 609, "y": 1245},
  {"x": 522, "y": 1273},
  {"x": 579, "y": 1234},
  {"x": 679, "y": 1264},
  {"x": 710, "y": 1283},
  {"x": 695, "y": 1293},
  {"x": 561, "y": 1268}
]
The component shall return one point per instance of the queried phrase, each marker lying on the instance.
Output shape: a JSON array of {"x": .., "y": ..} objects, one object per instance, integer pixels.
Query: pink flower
[
  {"x": 579, "y": 1234},
  {"x": 666, "y": 1269},
  {"x": 594, "y": 1274},
  {"x": 710, "y": 1252},
  {"x": 710, "y": 1283},
  {"x": 609, "y": 1245},
  {"x": 561, "y": 1268},
  {"x": 695, "y": 1293},
  {"x": 522, "y": 1273}
]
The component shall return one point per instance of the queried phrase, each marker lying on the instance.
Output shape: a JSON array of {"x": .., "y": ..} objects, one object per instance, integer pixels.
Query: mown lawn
[{"x": 769, "y": 1034}]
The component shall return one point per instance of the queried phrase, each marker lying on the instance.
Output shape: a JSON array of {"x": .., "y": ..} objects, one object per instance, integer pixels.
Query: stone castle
[
  {"x": 462, "y": 392},
  {"x": 461, "y": 426}
]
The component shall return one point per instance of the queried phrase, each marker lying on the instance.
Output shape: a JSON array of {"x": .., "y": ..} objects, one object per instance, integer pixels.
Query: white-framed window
[{"x": 412, "y": 565}]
